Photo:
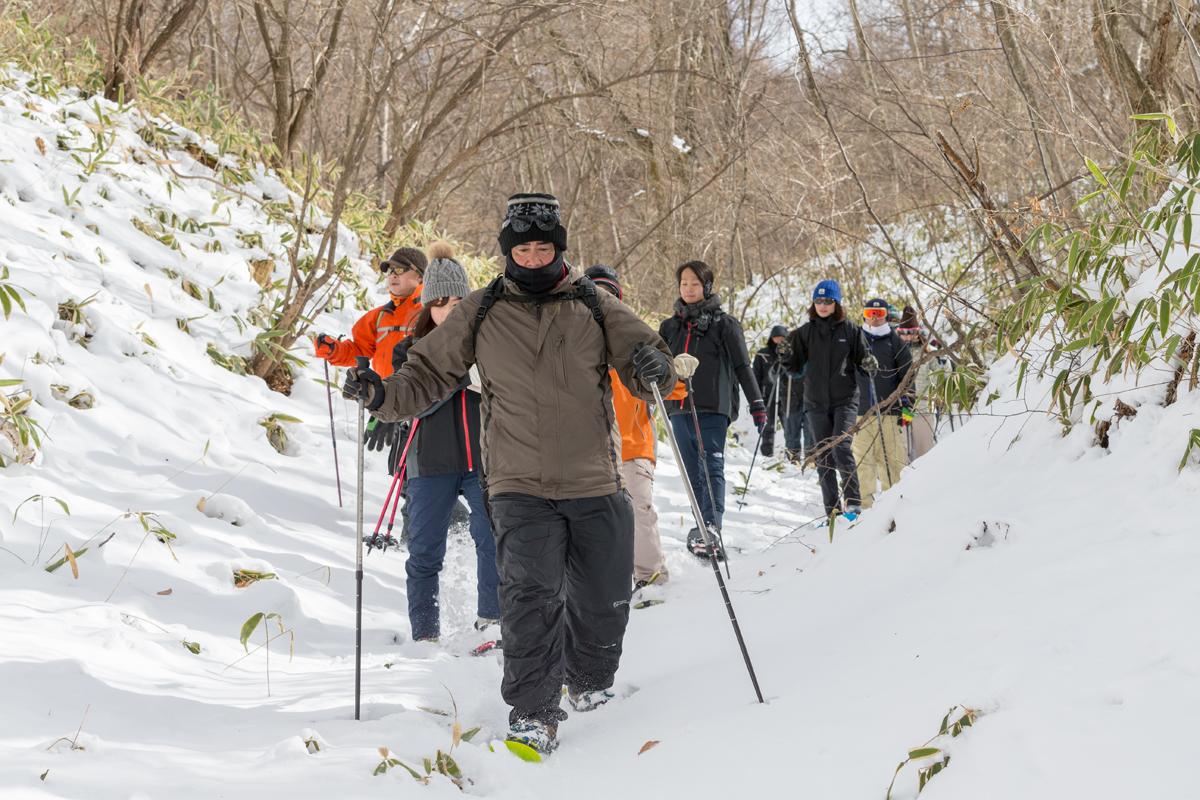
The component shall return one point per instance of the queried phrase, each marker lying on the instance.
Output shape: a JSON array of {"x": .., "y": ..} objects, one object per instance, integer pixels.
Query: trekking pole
[
  {"x": 753, "y": 457},
  {"x": 712, "y": 556},
  {"x": 363, "y": 363},
  {"x": 887, "y": 466},
  {"x": 402, "y": 466},
  {"x": 337, "y": 470},
  {"x": 712, "y": 498},
  {"x": 787, "y": 411}
]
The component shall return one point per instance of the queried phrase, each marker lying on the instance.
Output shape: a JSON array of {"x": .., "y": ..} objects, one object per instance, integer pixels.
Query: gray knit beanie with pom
[{"x": 444, "y": 277}]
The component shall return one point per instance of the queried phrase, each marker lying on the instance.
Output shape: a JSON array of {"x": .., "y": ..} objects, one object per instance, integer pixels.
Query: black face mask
[{"x": 536, "y": 281}]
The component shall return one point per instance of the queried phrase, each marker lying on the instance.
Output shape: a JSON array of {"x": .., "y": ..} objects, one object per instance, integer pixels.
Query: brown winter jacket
[{"x": 548, "y": 427}]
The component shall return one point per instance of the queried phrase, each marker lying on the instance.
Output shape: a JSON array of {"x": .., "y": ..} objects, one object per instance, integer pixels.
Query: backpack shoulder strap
[
  {"x": 490, "y": 295},
  {"x": 585, "y": 290}
]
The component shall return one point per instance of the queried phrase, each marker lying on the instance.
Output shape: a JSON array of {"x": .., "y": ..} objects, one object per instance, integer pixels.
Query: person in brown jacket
[{"x": 543, "y": 338}]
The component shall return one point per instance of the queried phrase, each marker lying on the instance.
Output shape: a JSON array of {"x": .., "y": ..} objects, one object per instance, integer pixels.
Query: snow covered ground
[{"x": 1042, "y": 582}]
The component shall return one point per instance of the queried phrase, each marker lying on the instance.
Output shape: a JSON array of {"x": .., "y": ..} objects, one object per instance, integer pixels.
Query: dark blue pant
[
  {"x": 432, "y": 500},
  {"x": 796, "y": 430},
  {"x": 712, "y": 432}
]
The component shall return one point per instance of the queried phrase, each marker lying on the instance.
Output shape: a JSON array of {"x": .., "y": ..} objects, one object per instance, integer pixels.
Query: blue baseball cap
[{"x": 828, "y": 289}]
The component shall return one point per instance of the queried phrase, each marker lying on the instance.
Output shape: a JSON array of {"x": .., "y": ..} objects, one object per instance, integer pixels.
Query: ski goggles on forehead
[
  {"x": 875, "y": 313},
  {"x": 529, "y": 215}
]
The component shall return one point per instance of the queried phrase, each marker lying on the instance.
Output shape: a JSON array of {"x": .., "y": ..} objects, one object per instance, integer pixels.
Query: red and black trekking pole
[
  {"x": 708, "y": 544},
  {"x": 396, "y": 488}
]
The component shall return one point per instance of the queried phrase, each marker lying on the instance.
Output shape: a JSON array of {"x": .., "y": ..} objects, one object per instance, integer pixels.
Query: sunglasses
[
  {"x": 908, "y": 331},
  {"x": 391, "y": 266},
  {"x": 875, "y": 313},
  {"x": 824, "y": 301},
  {"x": 528, "y": 215}
]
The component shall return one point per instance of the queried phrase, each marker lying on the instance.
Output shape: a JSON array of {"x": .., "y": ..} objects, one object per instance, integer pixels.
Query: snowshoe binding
[{"x": 697, "y": 547}]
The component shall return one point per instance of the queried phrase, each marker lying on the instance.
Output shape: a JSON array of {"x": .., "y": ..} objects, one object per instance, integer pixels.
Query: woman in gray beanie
[{"x": 442, "y": 461}]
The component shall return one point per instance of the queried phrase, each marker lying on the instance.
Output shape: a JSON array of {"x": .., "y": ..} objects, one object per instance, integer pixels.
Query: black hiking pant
[
  {"x": 566, "y": 574},
  {"x": 827, "y": 424}
]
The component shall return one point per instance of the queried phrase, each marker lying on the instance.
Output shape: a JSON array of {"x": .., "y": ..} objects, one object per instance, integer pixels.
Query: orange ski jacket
[
  {"x": 633, "y": 419},
  {"x": 375, "y": 335}
]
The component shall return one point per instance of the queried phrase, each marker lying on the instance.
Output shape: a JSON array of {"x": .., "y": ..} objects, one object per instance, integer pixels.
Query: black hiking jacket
[
  {"x": 828, "y": 353},
  {"x": 895, "y": 360},
  {"x": 707, "y": 332},
  {"x": 446, "y": 441}
]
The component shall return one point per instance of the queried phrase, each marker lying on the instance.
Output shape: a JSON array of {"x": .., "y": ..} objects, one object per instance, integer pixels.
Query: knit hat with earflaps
[
  {"x": 532, "y": 217},
  {"x": 444, "y": 277}
]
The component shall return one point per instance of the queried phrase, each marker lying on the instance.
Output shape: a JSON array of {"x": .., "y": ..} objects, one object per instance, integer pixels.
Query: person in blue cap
[{"x": 829, "y": 350}]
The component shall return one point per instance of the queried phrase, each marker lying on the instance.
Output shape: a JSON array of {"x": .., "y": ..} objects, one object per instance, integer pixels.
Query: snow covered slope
[{"x": 1039, "y": 581}]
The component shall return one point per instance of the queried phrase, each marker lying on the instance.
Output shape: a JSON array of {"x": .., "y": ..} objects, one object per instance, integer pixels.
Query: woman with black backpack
[
  {"x": 442, "y": 460},
  {"x": 701, "y": 327}
]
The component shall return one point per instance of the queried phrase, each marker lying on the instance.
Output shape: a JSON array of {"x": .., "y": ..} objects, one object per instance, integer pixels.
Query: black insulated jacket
[
  {"x": 707, "y": 332},
  {"x": 446, "y": 441},
  {"x": 829, "y": 354}
]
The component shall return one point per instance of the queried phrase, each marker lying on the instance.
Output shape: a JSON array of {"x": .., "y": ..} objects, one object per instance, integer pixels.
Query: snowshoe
[
  {"x": 697, "y": 547},
  {"x": 487, "y": 647},
  {"x": 589, "y": 701},
  {"x": 645, "y": 594},
  {"x": 533, "y": 734}
]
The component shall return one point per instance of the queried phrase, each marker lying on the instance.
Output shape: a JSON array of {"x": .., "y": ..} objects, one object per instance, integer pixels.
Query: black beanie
[{"x": 532, "y": 210}]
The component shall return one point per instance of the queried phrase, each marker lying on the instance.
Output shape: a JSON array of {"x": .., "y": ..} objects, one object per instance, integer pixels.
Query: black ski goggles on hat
[{"x": 524, "y": 216}]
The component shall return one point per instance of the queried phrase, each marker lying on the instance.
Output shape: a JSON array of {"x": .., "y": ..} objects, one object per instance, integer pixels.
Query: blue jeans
[
  {"x": 712, "y": 432},
  {"x": 433, "y": 498}
]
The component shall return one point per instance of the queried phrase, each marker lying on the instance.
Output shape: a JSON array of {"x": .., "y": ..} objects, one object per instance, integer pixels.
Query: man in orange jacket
[
  {"x": 636, "y": 424},
  {"x": 379, "y": 330}
]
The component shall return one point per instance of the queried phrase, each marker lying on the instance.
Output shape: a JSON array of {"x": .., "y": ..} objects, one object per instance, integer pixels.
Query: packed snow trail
[{"x": 1043, "y": 581}]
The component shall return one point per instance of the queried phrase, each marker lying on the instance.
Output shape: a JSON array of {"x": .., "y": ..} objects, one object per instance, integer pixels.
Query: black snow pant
[
  {"x": 566, "y": 574},
  {"x": 829, "y": 423}
]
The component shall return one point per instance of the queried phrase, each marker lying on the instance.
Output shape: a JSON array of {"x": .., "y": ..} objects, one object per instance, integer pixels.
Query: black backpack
[{"x": 584, "y": 291}]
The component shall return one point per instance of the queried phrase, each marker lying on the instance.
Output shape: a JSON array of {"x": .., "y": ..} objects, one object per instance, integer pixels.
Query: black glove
[
  {"x": 784, "y": 351},
  {"x": 363, "y": 384},
  {"x": 758, "y": 411},
  {"x": 653, "y": 366},
  {"x": 870, "y": 364},
  {"x": 380, "y": 434}
]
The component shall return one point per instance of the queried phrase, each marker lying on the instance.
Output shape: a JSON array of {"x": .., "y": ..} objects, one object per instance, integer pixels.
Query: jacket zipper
[{"x": 467, "y": 433}]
